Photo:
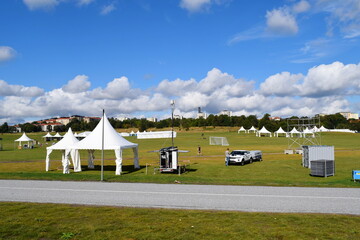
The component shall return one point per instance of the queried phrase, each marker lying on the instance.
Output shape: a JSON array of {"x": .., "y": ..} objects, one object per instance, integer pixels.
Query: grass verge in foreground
[{"x": 58, "y": 221}]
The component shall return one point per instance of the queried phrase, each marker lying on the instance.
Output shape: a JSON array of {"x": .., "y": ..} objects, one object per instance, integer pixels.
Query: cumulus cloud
[
  {"x": 19, "y": 90},
  {"x": 6, "y": 53},
  {"x": 331, "y": 79},
  {"x": 41, "y": 4},
  {"x": 79, "y": 84},
  {"x": 116, "y": 89},
  {"x": 281, "y": 21},
  {"x": 323, "y": 89},
  {"x": 281, "y": 84}
]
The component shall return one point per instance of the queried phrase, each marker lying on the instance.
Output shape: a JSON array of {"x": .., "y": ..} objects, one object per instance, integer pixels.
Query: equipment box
[
  {"x": 356, "y": 175},
  {"x": 323, "y": 168}
]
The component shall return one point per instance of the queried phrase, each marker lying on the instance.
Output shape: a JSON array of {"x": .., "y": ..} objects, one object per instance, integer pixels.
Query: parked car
[{"x": 244, "y": 156}]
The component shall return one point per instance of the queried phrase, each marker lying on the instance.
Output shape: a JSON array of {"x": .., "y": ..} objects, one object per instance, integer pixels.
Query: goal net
[{"x": 219, "y": 141}]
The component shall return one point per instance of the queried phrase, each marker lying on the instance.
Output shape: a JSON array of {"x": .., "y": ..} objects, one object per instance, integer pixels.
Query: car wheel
[
  {"x": 251, "y": 160},
  {"x": 242, "y": 163}
]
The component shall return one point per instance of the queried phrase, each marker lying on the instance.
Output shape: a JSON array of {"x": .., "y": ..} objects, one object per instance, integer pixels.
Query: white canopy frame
[
  {"x": 64, "y": 146},
  {"x": 112, "y": 141},
  {"x": 263, "y": 132}
]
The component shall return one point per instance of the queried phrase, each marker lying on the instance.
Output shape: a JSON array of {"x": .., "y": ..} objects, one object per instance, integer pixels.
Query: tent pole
[{"x": 102, "y": 149}]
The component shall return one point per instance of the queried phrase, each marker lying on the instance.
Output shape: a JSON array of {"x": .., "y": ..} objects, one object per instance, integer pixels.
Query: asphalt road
[{"x": 181, "y": 196}]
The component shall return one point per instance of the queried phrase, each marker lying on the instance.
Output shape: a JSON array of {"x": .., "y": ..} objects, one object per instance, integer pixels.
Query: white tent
[
  {"x": 25, "y": 138},
  {"x": 48, "y": 135},
  {"x": 253, "y": 129},
  {"x": 112, "y": 141},
  {"x": 281, "y": 131},
  {"x": 263, "y": 132},
  {"x": 315, "y": 129},
  {"x": 64, "y": 145},
  {"x": 294, "y": 131},
  {"x": 125, "y": 134},
  {"x": 323, "y": 129},
  {"x": 307, "y": 131},
  {"x": 156, "y": 134},
  {"x": 242, "y": 129}
]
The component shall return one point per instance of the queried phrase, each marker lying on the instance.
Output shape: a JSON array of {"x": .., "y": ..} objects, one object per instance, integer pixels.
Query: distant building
[
  {"x": 349, "y": 115},
  {"x": 275, "y": 118},
  {"x": 122, "y": 118},
  {"x": 151, "y": 119},
  {"x": 225, "y": 112},
  {"x": 177, "y": 117},
  {"x": 200, "y": 114}
]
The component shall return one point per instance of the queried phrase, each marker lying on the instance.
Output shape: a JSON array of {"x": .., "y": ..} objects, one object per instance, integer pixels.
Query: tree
[{"x": 4, "y": 128}]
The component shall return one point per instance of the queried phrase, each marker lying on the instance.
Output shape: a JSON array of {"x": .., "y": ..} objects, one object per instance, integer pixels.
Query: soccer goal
[{"x": 219, "y": 141}]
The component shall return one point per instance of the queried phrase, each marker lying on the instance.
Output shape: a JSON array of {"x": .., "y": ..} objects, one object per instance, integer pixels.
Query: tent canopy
[
  {"x": 57, "y": 135},
  {"x": 112, "y": 141},
  {"x": 242, "y": 129},
  {"x": 263, "y": 131},
  {"x": 48, "y": 135},
  {"x": 280, "y": 130},
  {"x": 24, "y": 138},
  {"x": 64, "y": 145}
]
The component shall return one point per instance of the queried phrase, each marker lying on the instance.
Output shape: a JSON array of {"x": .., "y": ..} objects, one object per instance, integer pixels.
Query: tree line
[{"x": 331, "y": 121}]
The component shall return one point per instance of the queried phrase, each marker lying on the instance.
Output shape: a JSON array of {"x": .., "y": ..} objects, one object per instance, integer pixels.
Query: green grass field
[
  {"x": 277, "y": 169},
  {"x": 56, "y": 221}
]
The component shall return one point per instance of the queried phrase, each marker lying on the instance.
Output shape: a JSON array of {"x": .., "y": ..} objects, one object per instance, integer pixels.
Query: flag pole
[{"x": 102, "y": 147}]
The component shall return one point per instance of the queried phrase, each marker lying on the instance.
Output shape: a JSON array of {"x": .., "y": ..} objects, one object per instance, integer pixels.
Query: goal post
[{"x": 219, "y": 141}]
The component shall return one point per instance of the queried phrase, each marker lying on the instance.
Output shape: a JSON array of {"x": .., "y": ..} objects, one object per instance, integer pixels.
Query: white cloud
[
  {"x": 323, "y": 89},
  {"x": 176, "y": 87},
  {"x": 79, "y": 84},
  {"x": 6, "y": 53},
  {"x": 281, "y": 21},
  {"x": 344, "y": 15},
  {"x": 331, "y": 79},
  {"x": 194, "y": 5},
  {"x": 108, "y": 9},
  {"x": 281, "y": 84},
  {"x": 116, "y": 89},
  {"x": 41, "y": 4},
  {"x": 301, "y": 6},
  {"x": 19, "y": 90}
]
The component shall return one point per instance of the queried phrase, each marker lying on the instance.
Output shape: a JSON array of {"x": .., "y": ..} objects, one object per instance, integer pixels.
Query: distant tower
[{"x": 199, "y": 109}]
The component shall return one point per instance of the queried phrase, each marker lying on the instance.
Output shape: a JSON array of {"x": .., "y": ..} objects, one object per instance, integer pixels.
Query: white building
[
  {"x": 225, "y": 112},
  {"x": 349, "y": 115}
]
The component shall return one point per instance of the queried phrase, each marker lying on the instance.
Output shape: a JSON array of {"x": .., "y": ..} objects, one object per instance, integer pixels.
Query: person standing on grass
[
  {"x": 199, "y": 150},
  {"x": 227, "y": 155}
]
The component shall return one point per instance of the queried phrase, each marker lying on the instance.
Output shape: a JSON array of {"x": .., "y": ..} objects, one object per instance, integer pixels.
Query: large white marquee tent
[{"x": 112, "y": 141}]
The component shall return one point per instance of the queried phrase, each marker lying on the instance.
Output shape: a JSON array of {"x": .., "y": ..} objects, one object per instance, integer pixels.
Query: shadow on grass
[{"x": 126, "y": 169}]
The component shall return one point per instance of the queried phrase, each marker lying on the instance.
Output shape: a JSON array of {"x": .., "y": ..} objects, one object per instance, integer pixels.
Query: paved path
[{"x": 179, "y": 196}]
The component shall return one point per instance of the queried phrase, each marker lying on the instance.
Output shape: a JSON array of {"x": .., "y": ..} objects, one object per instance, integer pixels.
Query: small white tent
[
  {"x": 252, "y": 129},
  {"x": 307, "y": 132},
  {"x": 48, "y": 137},
  {"x": 263, "y": 132},
  {"x": 295, "y": 132},
  {"x": 281, "y": 131},
  {"x": 25, "y": 138},
  {"x": 323, "y": 129},
  {"x": 112, "y": 141},
  {"x": 64, "y": 145},
  {"x": 242, "y": 129}
]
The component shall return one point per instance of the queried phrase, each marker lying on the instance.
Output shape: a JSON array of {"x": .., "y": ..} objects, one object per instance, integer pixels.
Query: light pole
[{"x": 172, "y": 103}]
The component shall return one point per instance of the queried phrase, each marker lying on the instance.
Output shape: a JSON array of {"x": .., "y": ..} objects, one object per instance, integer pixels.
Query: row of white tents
[{"x": 293, "y": 133}]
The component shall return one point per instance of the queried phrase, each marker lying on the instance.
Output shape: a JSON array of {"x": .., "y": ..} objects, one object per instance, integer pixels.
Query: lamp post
[{"x": 172, "y": 103}]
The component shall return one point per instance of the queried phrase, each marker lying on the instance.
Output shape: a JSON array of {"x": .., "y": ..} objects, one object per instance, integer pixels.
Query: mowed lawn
[
  {"x": 277, "y": 169},
  {"x": 58, "y": 221}
]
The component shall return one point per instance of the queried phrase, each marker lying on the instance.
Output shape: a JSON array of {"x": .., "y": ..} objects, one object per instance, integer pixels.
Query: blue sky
[{"x": 66, "y": 57}]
